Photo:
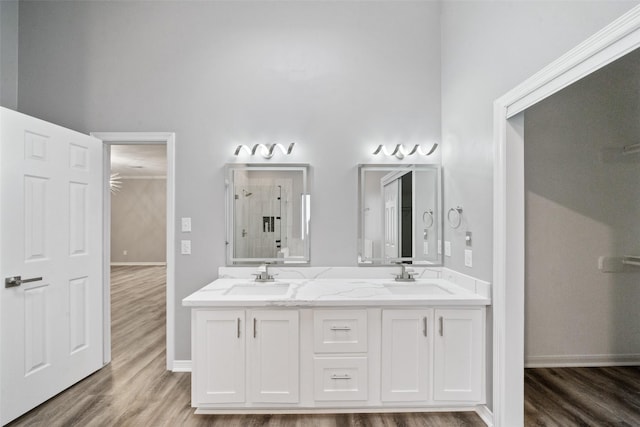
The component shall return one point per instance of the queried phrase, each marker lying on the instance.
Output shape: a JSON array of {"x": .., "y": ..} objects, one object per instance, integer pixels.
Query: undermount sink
[
  {"x": 258, "y": 289},
  {"x": 417, "y": 289}
]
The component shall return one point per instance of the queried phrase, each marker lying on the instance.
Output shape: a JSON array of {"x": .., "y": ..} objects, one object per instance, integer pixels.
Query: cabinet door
[
  {"x": 274, "y": 356},
  {"x": 459, "y": 355},
  {"x": 406, "y": 355},
  {"x": 218, "y": 357}
]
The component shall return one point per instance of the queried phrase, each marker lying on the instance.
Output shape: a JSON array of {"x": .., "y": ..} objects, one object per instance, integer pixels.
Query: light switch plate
[
  {"x": 468, "y": 258},
  {"x": 186, "y": 224},
  {"x": 447, "y": 248},
  {"x": 439, "y": 247},
  {"x": 425, "y": 248},
  {"x": 185, "y": 247}
]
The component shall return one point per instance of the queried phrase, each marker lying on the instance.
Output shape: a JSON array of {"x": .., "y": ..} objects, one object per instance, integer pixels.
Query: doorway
[
  {"x": 124, "y": 144},
  {"x": 581, "y": 210},
  {"x": 619, "y": 38}
]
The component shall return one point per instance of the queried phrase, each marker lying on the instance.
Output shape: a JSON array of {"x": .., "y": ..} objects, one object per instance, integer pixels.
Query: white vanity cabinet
[
  {"x": 274, "y": 355},
  {"x": 433, "y": 350},
  {"x": 459, "y": 367},
  {"x": 218, "y": 362},
  {"x": 227, "y": 350},
  {"x": 343, "y": 346},
  {"x": 406, "y": 355}
]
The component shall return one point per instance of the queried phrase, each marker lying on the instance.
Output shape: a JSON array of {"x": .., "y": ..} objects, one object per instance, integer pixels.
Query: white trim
[
  {"x": 116, "y": 264},
  {"x": 485, "y": 414},
  {"x": 145, "y": 138},
  {"x": 582, "y": 360},
  {"x": 181, "y": 366},
  {"x": 106, "y": 245},
  {"x": 609, "y": 44},
  {"x": 589, "y": 56}
]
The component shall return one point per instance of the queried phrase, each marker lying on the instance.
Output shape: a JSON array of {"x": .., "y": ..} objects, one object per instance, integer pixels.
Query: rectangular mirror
[
  {"x": 268, "y": 214},
  {"x": 400, "y": 214}
]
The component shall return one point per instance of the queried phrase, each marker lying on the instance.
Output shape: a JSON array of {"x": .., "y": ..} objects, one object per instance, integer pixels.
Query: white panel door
[
  {"x": 391, "y": 225},
  {"x": 218, "y": 356},
  {"x": 406, "y": 350},
  {"x": 274, "y": 356},
  {"x": 50, "y": 231},
  {"x": 459, "y": 355}
]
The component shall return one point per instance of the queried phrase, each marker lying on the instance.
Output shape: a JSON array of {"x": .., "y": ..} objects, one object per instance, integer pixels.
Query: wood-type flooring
[
  {"x": 582, "y": 396},
  {"x": 135, "y": 389}
]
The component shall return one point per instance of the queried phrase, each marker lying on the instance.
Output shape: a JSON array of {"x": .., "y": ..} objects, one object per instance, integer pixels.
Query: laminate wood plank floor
[
  {"x": 582, "y": 396},
  {"x": 135, "y": 389}
]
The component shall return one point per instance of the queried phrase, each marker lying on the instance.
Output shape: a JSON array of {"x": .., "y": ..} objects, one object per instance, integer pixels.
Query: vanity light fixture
[
  {"x": 265, "y": 149},
  {"x": 400, "y": 152}
]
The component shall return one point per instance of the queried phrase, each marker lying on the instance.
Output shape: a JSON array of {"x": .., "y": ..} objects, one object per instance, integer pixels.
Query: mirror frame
[
  {"x": 378, "y": 262},
  {"x": 232, "y": 261}
]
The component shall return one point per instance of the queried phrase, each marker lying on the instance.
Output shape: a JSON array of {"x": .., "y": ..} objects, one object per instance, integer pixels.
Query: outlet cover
[
  {"x": 185, "y": 247},
  {"x": 439, "y": 247},
  {"x": 186, "y": 225},
  {"x": 468, "y": 258}
]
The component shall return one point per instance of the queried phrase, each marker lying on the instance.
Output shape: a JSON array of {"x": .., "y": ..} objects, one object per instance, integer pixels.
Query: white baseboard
[
  {"x": 486, "y": 415},
  {"x": 582, "y": 360},
  {"x": 138, "y": 263},
  {"x": 181, "y": 366}
]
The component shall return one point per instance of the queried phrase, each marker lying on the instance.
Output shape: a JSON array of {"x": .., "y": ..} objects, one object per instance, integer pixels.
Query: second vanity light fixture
[
  {"x": 400, "y": 152},
  {"x": 267, "y": 150}
]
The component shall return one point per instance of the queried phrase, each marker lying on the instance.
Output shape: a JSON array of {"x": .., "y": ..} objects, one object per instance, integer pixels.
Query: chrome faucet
[
  {"x": 405, "y": 275},
  {"x": 263, "y": 274}
]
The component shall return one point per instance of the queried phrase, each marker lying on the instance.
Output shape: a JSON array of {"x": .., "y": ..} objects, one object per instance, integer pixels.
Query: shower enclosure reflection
[
  {"x": 400, "y": 214},
  {"x": 268, "y": 214}
]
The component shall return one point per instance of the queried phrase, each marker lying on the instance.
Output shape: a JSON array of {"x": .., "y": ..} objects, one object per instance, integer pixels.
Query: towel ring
[
  {"x": 454, "y": 217},
  {"x": 427, "y": 218}
]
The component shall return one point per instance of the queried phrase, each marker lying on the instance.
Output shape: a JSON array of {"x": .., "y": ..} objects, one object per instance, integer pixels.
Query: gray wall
[
  {"x": 9, "y": 57},
  {"x": 487, "y": 49},
  {"x": 335, "y": 77},
  {"x": 582, "y": 202},
  {"x": 138, "y": 221}
]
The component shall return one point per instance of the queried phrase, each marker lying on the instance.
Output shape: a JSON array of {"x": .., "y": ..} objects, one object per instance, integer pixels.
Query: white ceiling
[{"x": 139, "y": 160}]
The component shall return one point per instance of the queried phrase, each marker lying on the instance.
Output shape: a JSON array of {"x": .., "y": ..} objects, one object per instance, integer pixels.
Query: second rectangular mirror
[
  {"x": 400, "y": 214},
  {"x": 268, "y": 214}
]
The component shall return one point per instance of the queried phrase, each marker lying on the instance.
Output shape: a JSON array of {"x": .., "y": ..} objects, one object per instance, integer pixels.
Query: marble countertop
[{"x": 333, "y": 292}]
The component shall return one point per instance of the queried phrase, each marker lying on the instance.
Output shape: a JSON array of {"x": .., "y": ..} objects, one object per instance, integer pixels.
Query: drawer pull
[
  {"x": 424, "y": 326},
  {"x": 340, "y": 377},
  {"x": 340, "y": 328},
  {"x": 254, "y": 327},
  {"x": 441, "y": 327},
  {"x": 238, "y": 324}
]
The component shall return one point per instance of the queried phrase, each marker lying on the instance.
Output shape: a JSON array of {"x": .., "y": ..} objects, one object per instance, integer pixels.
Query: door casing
[{"x": 140, "y": 138}]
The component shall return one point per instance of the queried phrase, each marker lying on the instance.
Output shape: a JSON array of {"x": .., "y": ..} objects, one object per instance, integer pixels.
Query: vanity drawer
[
  {"x": 340, "y": 378},
  {"x": 340, "y": 331}
]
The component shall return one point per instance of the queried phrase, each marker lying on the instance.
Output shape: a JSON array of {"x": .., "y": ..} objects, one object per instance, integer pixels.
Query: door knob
[{"x": 13, "y": 281}]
